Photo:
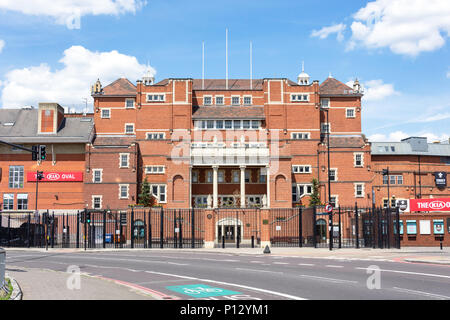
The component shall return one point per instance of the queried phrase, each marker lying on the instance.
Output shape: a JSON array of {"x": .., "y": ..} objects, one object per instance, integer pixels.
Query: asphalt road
[{"x": 171, "y": 274}]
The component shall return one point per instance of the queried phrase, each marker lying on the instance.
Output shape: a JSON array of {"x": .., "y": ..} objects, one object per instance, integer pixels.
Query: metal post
[
  {"x": 340, "y": 234},
  {"x": 145, "y": 231},
  {"x": 78, "y": 229},
  {"x": 180, "y": 225},
  {"x": 120, "y": 231},
  {"x": 237, "y": 230},
  {"x": 253, "y": 241},
  {"x": 104, "y": 229},
  {"x": 9, "y": 230},
  {"x": 398, "y": 227},
  {"x": 300, "y": 227},
  {"x": 175, "y": 237},
  {"x": 28, "y": 229},
  {"x": 46, "y": 231},
  {"x": 150, "y": 228},
  {"x": 356, "y": 225},
  {"x": 161, "y": 231},
  {"x": 192, "y": 228},
  {"x": 85, "y": 227},
  {"x": 314, "y": 227},
  {"x": 132, "y": 228},
  {"x": 53, "y": 230},
  {"x": 223, "y": 242},
  {"x": 330, "y": 215}
]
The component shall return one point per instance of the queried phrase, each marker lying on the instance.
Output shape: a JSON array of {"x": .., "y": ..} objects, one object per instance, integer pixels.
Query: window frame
[
  {"x": 126, "y": 103},
  {"x": 93, "y": 175},
  {"x": 109, "y": 113},
  {"x": 10, "y": 201},
  {"x": 120, "y": 191},
  {"x": 121, "y": 161},
  {"x": 127, "y": 125},
  {"x": 355, "y": 154},
  {"x": 362, "y": 189},
  {"x": 93, "y": 197},
  {"x": 211, "y": 101},
  {"x": 16, "y": 178},
  {"x": 350, "y": 109},
  {"x": 159, "y": 193}
]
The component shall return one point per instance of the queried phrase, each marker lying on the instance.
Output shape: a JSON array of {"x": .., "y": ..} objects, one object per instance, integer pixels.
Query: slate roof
[
  {"x": 120, "y": 87},
  {"x": 405, "y": 148},
  {"x": 211, "y": 112},
  {"x": 24, "y": 130},
  {"x": 113, "y": 141},
  {"x": 333, "y": 87}
]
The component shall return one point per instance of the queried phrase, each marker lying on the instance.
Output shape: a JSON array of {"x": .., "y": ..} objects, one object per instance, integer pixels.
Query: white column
[
  {"x": 215, "y": 187},
  {"x": 242, "y": 186},
  {"x": 268, "y": 185}
]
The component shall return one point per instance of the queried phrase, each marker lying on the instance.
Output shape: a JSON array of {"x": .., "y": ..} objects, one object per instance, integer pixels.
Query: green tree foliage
[{"x": 315, "y": 196}]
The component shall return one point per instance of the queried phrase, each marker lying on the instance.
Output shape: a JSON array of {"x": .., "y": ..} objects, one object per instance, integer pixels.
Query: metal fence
[
  {"x": 2, "y": 267},
  {"x": 134, "y": 228},
  {"x": 351, "y": 227}
]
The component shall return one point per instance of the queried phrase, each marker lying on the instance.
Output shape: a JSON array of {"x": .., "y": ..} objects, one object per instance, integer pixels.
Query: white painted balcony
[{"x": 207, "y": 154}]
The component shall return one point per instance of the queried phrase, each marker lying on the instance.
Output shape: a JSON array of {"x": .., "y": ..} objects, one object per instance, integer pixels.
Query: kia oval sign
[
  {"x": 430, "y": 204},
  {"x": 57, "y": 177}
]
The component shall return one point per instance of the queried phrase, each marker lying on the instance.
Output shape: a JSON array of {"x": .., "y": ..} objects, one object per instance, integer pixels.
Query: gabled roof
[
  {"x": 211, "y": 112},
  {"x": 120, "y": 87},
  {"x": 333, "y": 87}
]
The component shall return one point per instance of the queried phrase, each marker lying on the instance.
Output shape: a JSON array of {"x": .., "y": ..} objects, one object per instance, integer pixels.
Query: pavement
[{"x": 41, "y": 284}]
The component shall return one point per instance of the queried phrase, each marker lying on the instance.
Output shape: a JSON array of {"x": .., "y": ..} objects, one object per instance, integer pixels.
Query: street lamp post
[
  {"x": 386, "y": 173},
  {"x": 330, "y": 214}
]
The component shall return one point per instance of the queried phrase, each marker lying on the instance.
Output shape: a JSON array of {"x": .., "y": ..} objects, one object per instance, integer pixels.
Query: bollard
[
  {"x": 441, "y": 244},
  {"x": 253, "y": 241}
]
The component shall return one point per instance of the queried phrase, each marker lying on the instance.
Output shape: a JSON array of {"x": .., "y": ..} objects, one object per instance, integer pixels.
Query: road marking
[
  {"x": 427, "y": 294},
  {"x": 409, "y": 272},
  {"x": 306, "y": 264},
  {"x": 284, "y": 295},
  {"x": 256, "y": 261},
  {"x": 280, "y": 263},
  {"x": 258, "y": 270},
  {"x": 178, "y": 264},
  {"x": 333, "y": 266},
  {"x": 327, "y": 279}
]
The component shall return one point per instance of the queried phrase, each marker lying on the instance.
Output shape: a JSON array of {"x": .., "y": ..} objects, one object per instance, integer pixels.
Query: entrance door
[
  {"x": 321, "y": 230},
  {"x": 229, "y": 233}
]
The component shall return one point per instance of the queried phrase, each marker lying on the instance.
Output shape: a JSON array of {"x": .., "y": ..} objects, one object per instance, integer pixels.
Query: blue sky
[{"x": 398, "y": 49}]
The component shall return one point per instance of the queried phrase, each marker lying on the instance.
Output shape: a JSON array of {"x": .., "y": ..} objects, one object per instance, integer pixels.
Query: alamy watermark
[
  {"x": 74, "y": 280},
  {"x": 374, "y": 280}
]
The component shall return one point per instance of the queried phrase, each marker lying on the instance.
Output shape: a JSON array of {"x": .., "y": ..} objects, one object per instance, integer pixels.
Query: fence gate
[{"x": 237, "y": 227}]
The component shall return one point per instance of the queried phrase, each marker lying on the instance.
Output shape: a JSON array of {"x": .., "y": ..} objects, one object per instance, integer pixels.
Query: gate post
[
  {"x": 265, "y": 228},
  {"x": 175, "y": 238},
  {"x": 300, "y": 227},
  {"x": 388, "y": 227},
  {"x": 357, "y": 225},
  {"x": 210, "y": 227},
  {"x": 9, "y": 230},
  {"x": 145, "y": 231},
  {"x": 180, "y": 224},
  {"x": 53, "y": 230}
]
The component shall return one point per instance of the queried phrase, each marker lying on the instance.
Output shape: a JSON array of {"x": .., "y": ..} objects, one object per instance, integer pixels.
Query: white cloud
[
  {"x": 376, "y": 90},
  {"x": 69, "y": 12},
  {"x": 397, "y": 136},
  {"x": 326, "y": 31},
  {"x": 448, "y": 74},
  {"x": 407, "y": 27},
  {"x": 70, "y": 84},
  {"x": 2, "y": 45}
]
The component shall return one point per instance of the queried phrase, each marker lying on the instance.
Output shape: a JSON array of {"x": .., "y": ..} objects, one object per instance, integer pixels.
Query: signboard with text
[
  {"x": 57, "y": 177},
  {"x": 442, "y": 204},
  {"x": 440, "y": 179}
]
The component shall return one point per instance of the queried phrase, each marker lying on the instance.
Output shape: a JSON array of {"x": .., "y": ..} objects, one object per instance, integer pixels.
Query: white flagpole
[
  {"x": 251, "y": 65},
  {"x": 226, "y": 59},
  {"x": 203, "y": 65}
]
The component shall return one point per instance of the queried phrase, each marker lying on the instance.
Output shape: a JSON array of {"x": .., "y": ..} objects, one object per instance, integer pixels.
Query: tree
[
  {"x": 145, "y": 198},
  {"x": 315, "y": 196}
]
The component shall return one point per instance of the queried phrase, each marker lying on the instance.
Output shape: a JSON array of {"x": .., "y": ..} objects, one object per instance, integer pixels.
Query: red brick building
[{"x": 65, "y": 137}]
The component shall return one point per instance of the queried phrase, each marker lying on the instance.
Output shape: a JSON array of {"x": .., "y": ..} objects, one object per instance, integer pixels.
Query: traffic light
[
  {"x": 88, "y": 217},
  {"x": 385, "y": 172},
  {"x": 39, "y": 175},
  {"x": 34, "y": 154},
  {"x": 83, "y": 217},
  {"x": 42, "y": 153}
]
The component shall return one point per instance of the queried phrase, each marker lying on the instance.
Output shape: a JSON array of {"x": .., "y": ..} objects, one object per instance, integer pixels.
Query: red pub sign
[
  {"x": 442, "y": 204},
  {"x": 57, "y": 177}
]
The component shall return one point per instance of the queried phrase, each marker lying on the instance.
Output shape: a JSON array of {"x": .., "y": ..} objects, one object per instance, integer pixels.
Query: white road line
[
  {"x": 409, "y": 272},
  {"x": 257, "y": 270},
  {"x": 327, "y": 279},
  {"x": 178, "y": 264},
  {"x": 427, "y": 294},
  {"x": 333, "y": 266},
  {"x": 288, "y": 296},
  {"x": 256, "y": 261},
  {"x": 306, "y": 264},
  {"x": 280, "y": 263}
]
